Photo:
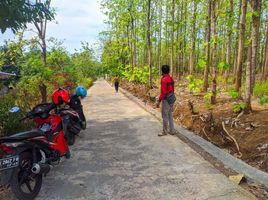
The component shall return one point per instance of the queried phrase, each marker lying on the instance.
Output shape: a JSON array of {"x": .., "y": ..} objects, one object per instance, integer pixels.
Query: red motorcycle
[{"x": 27, "y": 156}]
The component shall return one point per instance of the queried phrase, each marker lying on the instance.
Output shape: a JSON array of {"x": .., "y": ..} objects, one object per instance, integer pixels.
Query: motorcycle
[
  {"x": 71, "y": 124},
  {"x": 73, "y": 119},
  {"x": 27, "y": 156}
]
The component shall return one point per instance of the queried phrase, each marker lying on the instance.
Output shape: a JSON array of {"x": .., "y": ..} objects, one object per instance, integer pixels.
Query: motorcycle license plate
[{"x": 9, "y": 162}]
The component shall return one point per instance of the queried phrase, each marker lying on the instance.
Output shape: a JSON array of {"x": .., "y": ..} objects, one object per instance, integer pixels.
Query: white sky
[{"x": 77, "y": 20}]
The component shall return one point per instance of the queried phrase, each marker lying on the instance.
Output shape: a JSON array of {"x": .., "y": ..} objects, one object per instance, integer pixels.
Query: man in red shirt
[{"x": 167, "y": 86}]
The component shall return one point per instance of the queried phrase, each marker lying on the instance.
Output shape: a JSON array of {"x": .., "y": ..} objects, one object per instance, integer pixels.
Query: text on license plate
[{"x": 10, "y": 162}]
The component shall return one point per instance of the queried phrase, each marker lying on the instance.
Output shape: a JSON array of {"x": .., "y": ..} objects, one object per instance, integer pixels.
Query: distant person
[
  {"x": 116, "y": 83},
  {"x": 167, "y": 97}
]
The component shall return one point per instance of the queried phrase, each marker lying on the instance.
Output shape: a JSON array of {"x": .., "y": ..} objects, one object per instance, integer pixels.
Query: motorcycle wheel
[
  {"x": 24, "y": 184},
  {"x": 71, "y": 139}
]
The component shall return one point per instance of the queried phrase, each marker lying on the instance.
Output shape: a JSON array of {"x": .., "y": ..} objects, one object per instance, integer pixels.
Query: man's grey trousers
[{"x": 167, "y": 117}]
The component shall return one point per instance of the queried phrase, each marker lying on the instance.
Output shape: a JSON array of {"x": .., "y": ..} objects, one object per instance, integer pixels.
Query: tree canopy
[{"x": 15, "y": 14}]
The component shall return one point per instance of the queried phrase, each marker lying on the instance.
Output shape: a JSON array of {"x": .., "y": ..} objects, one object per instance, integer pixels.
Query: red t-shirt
[{"x": 167, "y": 86}]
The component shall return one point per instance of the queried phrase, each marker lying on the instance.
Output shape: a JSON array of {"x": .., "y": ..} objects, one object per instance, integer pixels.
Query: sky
[{"x": 76, "y": 21}]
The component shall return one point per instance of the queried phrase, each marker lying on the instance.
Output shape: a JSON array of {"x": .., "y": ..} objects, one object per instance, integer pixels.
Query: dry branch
[{"x": 234, "y": 140}]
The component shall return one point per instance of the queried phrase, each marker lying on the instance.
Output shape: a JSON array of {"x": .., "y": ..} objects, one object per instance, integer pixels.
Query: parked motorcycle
[
  {"x": 27, "y": 156},
  {"x": 71, "y": 124},
  {"x": 73, "y": 116}
]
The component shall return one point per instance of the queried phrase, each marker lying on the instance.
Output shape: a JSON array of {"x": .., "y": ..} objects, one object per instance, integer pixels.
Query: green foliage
[
  {"x": 223, "y": 66},
  {"x": 138, "y": 75},
  {"x": 263, "y": 100},
  {"x": 201, "y": 64},
  {"x": 238, "y": 107},
  {"x": 194, "y": 84},
  {"x": 10, "y": 122},
  {"x": 16, "y": 14},
  {"x": 87, "y": 82},
  {"x": 207, "y": 98},
  {"x": 234, "y": 94},
  {"x": 261, "y": 89}
]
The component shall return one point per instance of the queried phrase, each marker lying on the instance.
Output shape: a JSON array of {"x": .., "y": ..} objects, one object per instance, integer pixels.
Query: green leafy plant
[
  {"x": 234, "y": 94},
  {"x": 223, "y": 66},
  {"x": 263, "y": 100},
  {"x": 238, "y": 107},
  {"x": 261, "y": 89},
  {"x": 207, "y": 98},
  {"x": 9, "y": 122},
  {"x": 194, "y": 84}
]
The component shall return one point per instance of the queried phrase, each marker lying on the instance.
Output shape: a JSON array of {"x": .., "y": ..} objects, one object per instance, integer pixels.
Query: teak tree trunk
[
  {"x": 214, "y": 53},
  {"x": 265, "y": 59},
  {"x": 149, "y": 48},
  {"x": 256, "y": 8},
  {"x": 240, "y": 52},
  {"x": 192, "y": 54},
  {"x": 208, "y": 32}
]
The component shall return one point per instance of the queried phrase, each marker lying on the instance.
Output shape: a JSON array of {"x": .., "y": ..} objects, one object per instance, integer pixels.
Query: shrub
[
  {"x": 87, "y": 82},
  {"x": 263, "y": 100},
  {"x": 238, "y": 107},
  {"x": 10, "y": 122},
  {"x": 207, "y": 98},
  {"x": 194, "y": 84},
  {"x": 234, "y": 94}
]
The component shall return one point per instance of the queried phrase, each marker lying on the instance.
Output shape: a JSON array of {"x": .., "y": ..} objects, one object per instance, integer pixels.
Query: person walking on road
[
  {"x": 116, "y": 83},
  {"x": 167, "y": 97}
]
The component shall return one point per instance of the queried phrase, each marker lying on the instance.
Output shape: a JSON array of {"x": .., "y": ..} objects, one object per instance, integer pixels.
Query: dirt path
[{"x": 120, "y": 157}]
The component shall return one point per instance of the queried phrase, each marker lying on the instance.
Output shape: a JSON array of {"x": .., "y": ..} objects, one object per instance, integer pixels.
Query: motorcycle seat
[{"x": 23, "y": 135}]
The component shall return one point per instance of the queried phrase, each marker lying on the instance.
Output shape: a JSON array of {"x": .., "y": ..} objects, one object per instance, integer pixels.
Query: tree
[
  {"x": 248, "y": 84},
  {"x": 265, "y": 59},
  {"x": 149, "y": 43},
  {"x": 240, "y": 52},
  {"x": 230, "y": 32},
  {"x": 256, "y": 16},
  {"x": 41, "y": 25},
  {"x": 16, "y": 14},
  {"x": 214, "y": 52},
  {"x": 192, "y": 56},
  {"x": 208, "y": 32}
]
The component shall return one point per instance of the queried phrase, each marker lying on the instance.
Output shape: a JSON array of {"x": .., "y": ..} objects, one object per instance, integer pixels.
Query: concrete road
[{"x": 119, "y": 156}]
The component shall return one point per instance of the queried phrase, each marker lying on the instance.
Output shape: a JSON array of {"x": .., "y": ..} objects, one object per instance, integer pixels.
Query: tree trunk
[
  {"x": 265, "y": 59},
  {"x": 248, "y": 84},
  {"x": 160, "y": 37},
  {"x": 172, "y": 38},
  {"x": 230, "y": 32},
  {"x": 149, "y": 42},
  {"x": 256, "y": 8},
  {"x": 240, "y": 52},
  {"x": 236, "y": 42},
  {"x": 192, "y": 54},
  {"x": 214, "y": 53},
  {"x": 208, "y": 32}
]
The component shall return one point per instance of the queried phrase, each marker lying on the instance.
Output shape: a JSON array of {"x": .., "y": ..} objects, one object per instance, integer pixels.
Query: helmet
[
  {"x": 81, "y": 91},
  {"x": 60, "y": 96}
]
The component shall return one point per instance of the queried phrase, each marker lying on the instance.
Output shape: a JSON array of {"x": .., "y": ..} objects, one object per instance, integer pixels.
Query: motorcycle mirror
[{"x": 14, "y": 109}]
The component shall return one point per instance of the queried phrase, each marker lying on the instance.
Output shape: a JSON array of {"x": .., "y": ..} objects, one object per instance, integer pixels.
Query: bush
[
  {"x": 138, "y": 75},
  {"x": 238, "y": 107},
  {"x": 234, "y": 94},
  {"x": 263, "y": 100},
  {"x": 207, "y": 98},
  {"x": 194, "y": 84},
  {"x": 10, "y": 122},
  {"x": 87, "y": 82}
]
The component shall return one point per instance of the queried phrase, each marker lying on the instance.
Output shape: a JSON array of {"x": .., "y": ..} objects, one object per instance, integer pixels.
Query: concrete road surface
[{"x": 119, "y": 156}]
